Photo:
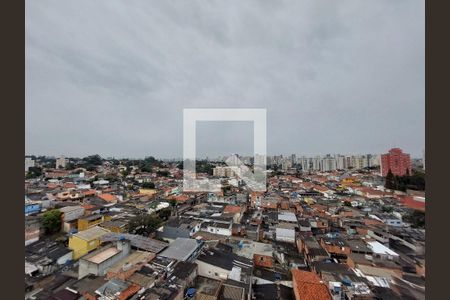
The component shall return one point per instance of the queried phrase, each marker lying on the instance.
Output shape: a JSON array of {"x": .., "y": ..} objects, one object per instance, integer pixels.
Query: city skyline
[
  {"x": 284, "y": 155},
  {"x": 112, "y": 78}
]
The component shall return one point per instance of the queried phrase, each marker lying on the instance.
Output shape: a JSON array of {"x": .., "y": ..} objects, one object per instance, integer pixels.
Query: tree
[
  {"x": 34, "y": 172},
  {"x": 416, "y": 181},
  {"x": 51, "y": 221},
  {"x": 165, "y": 213},
  {"x": 387, "y": 209},
  {"x": 416, "y": 219},
  {"x": 95, "y": 160},
  {"x": 173, "y": 202},
  {"x": 148, "y": 185},
  {"x": 390, "y": 180},
  {"x": 144, "y": 224},
  {"x": 163, "y": 173},
  {"x": 70, "y": 166}
]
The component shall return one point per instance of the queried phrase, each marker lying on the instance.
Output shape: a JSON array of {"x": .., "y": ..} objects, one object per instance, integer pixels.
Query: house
[
  {"x": 335, "y": 246},
  {"x": 308, "y": 286},
  {"x": 381, "y": 251},
  {"x": 90, "y": 221},
  {"x": 268, "y": 276},
  {"x": 287, "y": 216},
  {"x": 392, "y": 220},
  {"x": 121, "y": 289},
  {"x": 128, "y": 265},
  {"x": 98, "y": 261},
  {"x": 313, "y": 250},
  {"x": 253, "y": 232},
  {"x": 379, "y": 235},
  {"x": 184, "y": 273},
  {"x": 32, "y": 229},
  {"x": 235, "y": 211},
  {"x": 221, "y": 265},
  {"x": 326, "y": 192},
  {"x": 285, "y": 235},
  {"x": 32, "y": 207},
  {"x": 183, "y": 249},
  {"x": 219, "y": 228},
  {"x": 46, "y": 256},
  {"x": 179, "y": 228},
  {"x": 272, "y": 292},
  {"x": 69, "y": 215},
  {"x": 85, "y": 241},
  {"x": 108, "y": 198},
  {"x": 116, "y": 226},
  {"x": 207, "y": 288}
]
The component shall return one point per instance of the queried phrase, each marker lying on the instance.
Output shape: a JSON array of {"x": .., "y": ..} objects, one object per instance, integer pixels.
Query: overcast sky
[{"x": 113, "y": 77}]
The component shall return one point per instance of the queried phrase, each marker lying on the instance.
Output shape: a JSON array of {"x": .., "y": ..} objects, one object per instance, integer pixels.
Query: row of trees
[
  {"x": 416, "y": 181},
  {"x": 146, "y": 224},
  {"x": 142, "y": 224}
]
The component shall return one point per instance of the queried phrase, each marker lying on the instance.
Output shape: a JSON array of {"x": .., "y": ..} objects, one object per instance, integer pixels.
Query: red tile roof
[
  {"x": 308, "y": 286},
  {"x": 108, "y": 197},
  {"x": 89, "y": 192},
  {"x": 232, "y": 209},
  {"x": 411, "y": 203}
]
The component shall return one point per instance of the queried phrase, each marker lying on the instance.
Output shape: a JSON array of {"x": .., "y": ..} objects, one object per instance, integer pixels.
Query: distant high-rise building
[
  {"x": 340, "y": 162},
  {"x": 286, "y": 164},
  {"x": 316, "y": 163},
  {"x": 328, "y": 163},
  {"x": 29, "y": 163},
  {"x": 305, "y": 162},
  {"x": 293, "y": 159},
  {"x": 398, "y": 162},
  {"x": 61, "y": 162}
]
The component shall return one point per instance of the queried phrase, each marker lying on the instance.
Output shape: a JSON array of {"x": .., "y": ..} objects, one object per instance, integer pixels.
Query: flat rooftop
[
  {"x": 91, "y": 233},
  {"x": 102, "y": 255},
  {"x": 132, "y": 259},
  {"x": 181, "y": 249}
]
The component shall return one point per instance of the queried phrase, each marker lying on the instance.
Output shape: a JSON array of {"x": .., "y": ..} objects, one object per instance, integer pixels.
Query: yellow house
[
  {"x": 147, "y": 192},
  {"x": 91, "y": 221},
  {"x": 309, "y": 200},
  {"x": 85, "y": 241}
]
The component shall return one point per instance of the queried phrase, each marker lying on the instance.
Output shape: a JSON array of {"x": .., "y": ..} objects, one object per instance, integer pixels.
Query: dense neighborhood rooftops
[{"x": 291, "y": 242}]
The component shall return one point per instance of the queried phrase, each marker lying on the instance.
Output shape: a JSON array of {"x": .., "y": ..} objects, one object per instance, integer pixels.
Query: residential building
[
  {"x": 308, "y": 285},
  {"x": 183, "y": 249},
  {"x": 395, "y": 160},
  {"x": 29, "y": 163},
  {"x": 61, "y": 163},
  {"x": 86, "y": 241}
]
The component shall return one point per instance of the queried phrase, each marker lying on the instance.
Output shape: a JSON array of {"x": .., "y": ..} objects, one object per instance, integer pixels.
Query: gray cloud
[{"x": 112, "y": 77}]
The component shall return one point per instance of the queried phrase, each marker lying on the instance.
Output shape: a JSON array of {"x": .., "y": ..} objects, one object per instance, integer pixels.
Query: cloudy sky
[{"x": 113, "y": 77}]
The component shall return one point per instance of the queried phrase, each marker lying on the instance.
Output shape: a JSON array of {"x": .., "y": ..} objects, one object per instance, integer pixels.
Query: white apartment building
[
  {"x": 61, "y": 162},
  {"x": 29, "y": 163}
]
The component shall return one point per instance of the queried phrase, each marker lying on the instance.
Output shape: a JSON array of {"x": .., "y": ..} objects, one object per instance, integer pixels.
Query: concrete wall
[
  {"x": 210, "y": 271},
  {"x": 86, "y": 267}
]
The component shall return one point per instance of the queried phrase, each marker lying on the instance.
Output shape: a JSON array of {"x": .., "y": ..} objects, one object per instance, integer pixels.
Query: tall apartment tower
[
  {"x": 29, "y": 163},
  {"x": 398, "y": 162},
  {"x": 61, "y": 162}
]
